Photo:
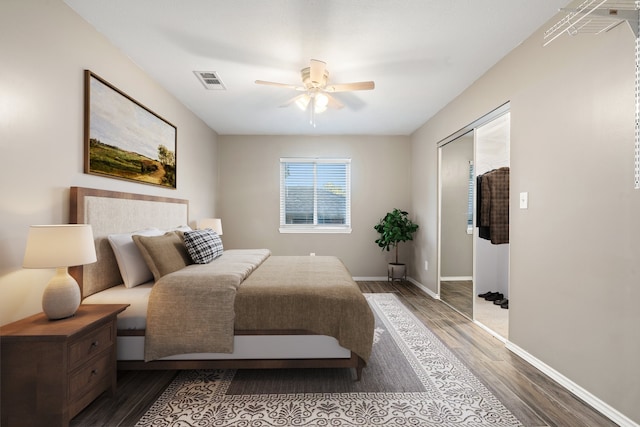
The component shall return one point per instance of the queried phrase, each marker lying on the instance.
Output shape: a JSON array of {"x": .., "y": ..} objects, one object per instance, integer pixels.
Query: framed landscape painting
[{"x": 124, "y": 139}]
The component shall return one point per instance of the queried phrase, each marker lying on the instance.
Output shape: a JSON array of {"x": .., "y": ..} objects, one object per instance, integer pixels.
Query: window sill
[{"x": 314, "y": 230}]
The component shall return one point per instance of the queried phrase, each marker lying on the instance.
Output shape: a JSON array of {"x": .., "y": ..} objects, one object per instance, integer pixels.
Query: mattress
[{"x": 135, "y": 316}]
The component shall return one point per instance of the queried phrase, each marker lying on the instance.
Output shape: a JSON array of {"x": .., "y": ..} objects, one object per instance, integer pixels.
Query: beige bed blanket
[
  {"x": 310, "y": 293},
  {"x": 192, "y": 310}
]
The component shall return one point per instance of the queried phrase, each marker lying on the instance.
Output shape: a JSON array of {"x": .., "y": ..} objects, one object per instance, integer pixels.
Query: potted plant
[{"x": 394, "y": 228}]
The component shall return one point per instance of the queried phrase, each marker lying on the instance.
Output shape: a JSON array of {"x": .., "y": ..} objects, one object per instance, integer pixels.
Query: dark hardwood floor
[
  {"x": 458, "y": 294},
  {"x": 530, "y": 395}
]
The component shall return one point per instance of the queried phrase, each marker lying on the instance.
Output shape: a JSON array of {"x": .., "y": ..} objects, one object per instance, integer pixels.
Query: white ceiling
[{"x": 420, "y": 53}]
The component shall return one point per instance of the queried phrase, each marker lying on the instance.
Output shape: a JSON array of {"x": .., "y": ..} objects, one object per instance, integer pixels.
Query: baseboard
[
  {"x": 423, "y": 288},
  {"x": 491, "y": 332},
  {"x": 371, "y": 279},
  {"x": 456, "y": 279},
  {"x": 593, "y": 401},
  {"x": 410, "y": 279}
]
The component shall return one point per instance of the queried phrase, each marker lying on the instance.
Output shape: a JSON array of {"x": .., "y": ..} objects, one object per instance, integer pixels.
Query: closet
[{"x": 474, "y": 257}]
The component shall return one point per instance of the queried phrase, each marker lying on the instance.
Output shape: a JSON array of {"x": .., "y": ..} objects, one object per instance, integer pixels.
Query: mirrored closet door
[
  {"x": 456, "y": 223},
  {"x": 474, "y": 225}
]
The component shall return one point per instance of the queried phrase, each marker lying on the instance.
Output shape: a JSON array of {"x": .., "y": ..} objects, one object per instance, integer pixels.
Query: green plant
[{"x": 394, "y": 228}]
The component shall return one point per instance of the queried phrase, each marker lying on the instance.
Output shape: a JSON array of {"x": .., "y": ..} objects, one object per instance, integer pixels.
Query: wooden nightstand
[{"x": 51, "y": 370}]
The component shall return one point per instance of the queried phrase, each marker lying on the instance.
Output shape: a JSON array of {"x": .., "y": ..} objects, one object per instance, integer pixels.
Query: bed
[{"x": 245, "y": 309}]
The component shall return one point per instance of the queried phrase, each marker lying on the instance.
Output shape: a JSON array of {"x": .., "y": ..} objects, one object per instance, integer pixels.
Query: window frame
[{"x": 315, "y": 227}]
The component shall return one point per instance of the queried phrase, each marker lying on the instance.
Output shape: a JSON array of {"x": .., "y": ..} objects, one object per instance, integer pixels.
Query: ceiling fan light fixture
[
  {"x": 320, "y": 102},
  {"x": 303, "y": 102}
]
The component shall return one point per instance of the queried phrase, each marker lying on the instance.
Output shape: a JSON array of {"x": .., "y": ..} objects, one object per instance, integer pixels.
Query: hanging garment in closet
[
  {"x": 493, "y": 205},
  {"x": 481, "y": 222}
]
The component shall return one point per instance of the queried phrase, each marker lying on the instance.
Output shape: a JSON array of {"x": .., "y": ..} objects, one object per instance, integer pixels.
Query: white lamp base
[{"x": 61, "y": 297}]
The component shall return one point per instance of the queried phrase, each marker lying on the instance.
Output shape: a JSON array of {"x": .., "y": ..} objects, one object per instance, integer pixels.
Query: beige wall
[
  {"x": 574, "y": 277},
  {"x": 250, "y": 195},
  {"x": 45, "y": 47}
]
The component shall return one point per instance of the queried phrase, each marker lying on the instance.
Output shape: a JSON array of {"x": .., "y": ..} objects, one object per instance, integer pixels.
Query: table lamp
[
  {"x": 213, "y": 223},
  {"x": 59, "y": 247}
]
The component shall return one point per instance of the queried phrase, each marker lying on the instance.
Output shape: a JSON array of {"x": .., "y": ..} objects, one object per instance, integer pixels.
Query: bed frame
[{"x": 116, "y": 212}]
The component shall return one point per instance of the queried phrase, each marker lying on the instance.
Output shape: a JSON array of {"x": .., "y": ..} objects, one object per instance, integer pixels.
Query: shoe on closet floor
[
  {"x": 486, "y": 294},
  {"x": 500, "y": 301},
  {"x": 494, "y": 296},
  {"x": 505, "y": 304}
]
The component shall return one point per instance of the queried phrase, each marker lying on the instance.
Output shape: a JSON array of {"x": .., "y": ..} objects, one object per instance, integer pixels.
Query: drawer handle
[
  {"x": 94, "y": 372},
  {"x": 95, "y": 344}
]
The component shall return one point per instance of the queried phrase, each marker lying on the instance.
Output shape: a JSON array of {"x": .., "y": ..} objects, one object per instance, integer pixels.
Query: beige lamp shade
[
  {"x": 60, "y": 246},
  {"x": 213, "y": 223},
  {"x": 65, "y": 245}
]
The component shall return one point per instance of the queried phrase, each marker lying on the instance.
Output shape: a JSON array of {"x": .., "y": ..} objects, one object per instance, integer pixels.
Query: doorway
[
  {"x": 470, "y": 263},
  {"x": 491, "y": 272}
]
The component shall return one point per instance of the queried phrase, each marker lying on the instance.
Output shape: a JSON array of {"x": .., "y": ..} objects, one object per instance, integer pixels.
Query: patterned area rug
[{"x": 412, "y": 379}]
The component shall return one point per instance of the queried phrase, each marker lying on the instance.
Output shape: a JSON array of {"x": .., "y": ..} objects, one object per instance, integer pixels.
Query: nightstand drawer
[
  {"x": 84, "y": 380},
  {"x": 89, "y": 345}
]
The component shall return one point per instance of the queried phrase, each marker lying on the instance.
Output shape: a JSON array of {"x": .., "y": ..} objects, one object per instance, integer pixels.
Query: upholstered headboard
[{"x": 112, "y": 212}]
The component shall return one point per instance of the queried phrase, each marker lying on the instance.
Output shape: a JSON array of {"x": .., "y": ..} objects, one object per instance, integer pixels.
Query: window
[{"x": 315, "y": 195}]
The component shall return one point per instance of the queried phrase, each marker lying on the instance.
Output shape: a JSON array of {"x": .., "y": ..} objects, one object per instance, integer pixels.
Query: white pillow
[{"x": 133, "y": 268}]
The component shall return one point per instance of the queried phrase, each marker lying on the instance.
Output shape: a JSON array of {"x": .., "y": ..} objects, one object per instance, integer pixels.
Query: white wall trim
[
  {"x": 593, "y": 401},
  {"x": 410, "y": 279},
  {"x": 492, "y": 332},
  {"x": 371, "y": 279},
  {"x": 424, "y": 288},
  {"x": 456, "y": 278}
]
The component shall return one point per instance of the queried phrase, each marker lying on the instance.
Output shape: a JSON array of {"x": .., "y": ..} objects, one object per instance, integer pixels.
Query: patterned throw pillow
[{"x": 203, "y": 245}]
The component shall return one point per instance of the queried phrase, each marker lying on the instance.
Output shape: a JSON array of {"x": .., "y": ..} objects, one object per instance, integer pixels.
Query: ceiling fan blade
[
  {"x": 294, "y": 100},
  {"x": 316, "y": 72},
  {"x": 333, "y": 103},
  {"x": 288, "y": 86},
  {"x": 346, "y": 87}
]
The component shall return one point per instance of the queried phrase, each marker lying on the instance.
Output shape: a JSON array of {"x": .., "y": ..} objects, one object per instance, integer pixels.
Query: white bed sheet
[{"x": 135, "y": 316}]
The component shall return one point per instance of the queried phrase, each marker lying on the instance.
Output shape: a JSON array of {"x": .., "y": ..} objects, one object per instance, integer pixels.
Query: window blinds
[{"x": 315, "y": 195}]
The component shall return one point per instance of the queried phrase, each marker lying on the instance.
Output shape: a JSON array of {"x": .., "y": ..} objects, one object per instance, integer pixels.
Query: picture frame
[{"x": 124, "y": 139}]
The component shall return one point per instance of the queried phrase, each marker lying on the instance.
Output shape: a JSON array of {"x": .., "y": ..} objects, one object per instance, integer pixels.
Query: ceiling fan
[{"x": 317, "y": 89}]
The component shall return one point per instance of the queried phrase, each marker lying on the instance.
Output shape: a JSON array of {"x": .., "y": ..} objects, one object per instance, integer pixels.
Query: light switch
[{"x": 524, "y": 200}]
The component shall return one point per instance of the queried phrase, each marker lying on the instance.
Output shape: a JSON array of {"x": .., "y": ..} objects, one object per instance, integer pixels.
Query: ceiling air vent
[{"x": 210, "y": 80}]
